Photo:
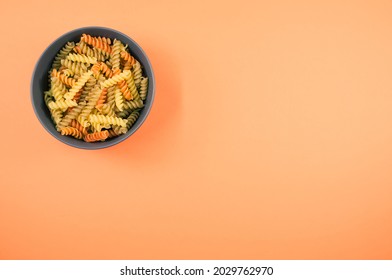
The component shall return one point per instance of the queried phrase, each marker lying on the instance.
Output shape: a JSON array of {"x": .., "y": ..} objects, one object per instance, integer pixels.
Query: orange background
[{"x": 270, "y": 136}]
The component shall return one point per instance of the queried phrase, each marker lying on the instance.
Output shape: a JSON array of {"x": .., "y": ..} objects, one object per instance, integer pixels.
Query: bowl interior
[{"x": 40, "y": 83}]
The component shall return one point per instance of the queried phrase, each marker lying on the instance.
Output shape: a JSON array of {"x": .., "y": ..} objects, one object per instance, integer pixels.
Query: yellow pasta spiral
[
  {"x": 97, "y": 42},
  {"x": 82, "y": 48},
  {"x": 137, "y": 73},
  {"x": 132, "y": 88},
  {"x": 78, "y": 85},
  {"x": 58, "y": 88},
  {"x": 48, "y": 97},
  {"x": 107, "y": 110},
  {"x": 62, "y": 54},
  {"x": 82, "y": 58},
  {"x": 56, "y": 114},
  {"x": 62, "y": 104},
  {"x": 119, "y": 99},
  {"x": 115, "y": 54},
  {"x": 72, "y": 115},
  {"x": 116, "y": 79},
  {"x": 76, "y": 67},
  {"x": 107, "y": 120}
]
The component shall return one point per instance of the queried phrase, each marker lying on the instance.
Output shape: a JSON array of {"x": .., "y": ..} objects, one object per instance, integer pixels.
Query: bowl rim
[{"x": 114, "y": 141}]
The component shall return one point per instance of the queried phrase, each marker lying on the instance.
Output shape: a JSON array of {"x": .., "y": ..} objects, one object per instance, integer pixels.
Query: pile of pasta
[{"x": 97, "y": 89}]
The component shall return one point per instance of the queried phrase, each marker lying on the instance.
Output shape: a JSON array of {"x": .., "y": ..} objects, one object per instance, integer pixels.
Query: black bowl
[{"x": 39, "y": 84}]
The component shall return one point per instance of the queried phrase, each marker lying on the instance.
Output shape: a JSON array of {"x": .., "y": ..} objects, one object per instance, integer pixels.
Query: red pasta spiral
[
  {"x": 64, "y": 79},
  {"x": 71, "y": 131},
  {"x": 128, "y": 58},
  {"x": 78, "y": 50},
  {"x": 102, "y": 99},
  {"x": 77, "y": 95},
  {"x": 96, "y": 67},
  {"x": 106, "y": 70},
  {"x": 123, "y": 85},
  {"x": 97, "y": 42},
  {"x": 97, "y": 136},
  {"x": 78, "y": 126}
]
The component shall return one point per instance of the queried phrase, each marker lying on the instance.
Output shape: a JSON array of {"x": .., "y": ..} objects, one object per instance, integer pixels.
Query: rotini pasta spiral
[
  {"x": 123, "y": 47},
  {"x": 56, "y": 114},
  {"x": 109, "y": 64},
  {"x": 97, "y": 43},
  {"x": 78, "y": 85},
  {"x": 107, "y": 120},
  {"x": 115, "y": 54},
  {"x": 105, "y": 40},
  {"x": 82, "y": 48},
  {"x": 101, "y": 66},
  {"x": 101, "y": 99},
  {"x": 48, "y": 97},
  {"x": 64, "y": 79},
  {"x": 78, "y": 126},
  {"x": 81, "y": 58},
  {"x": 71, "y": 115},
  {"x": 71, "y": 131},
  {"x": 107, "y": 110},
  {"x": 115, "y": 71},
  {"x": 123, "y": 114},
  {"x": 62, "y": 104},
  {"x": 132, "y": 118},
  {"x": 123, "y": 86},
  {"x": 127, "y": 57},
  {"x": 119, "y": 99},
  {"x": 119, "y": 130},
  {"x": 96, "y": 127},
  {"x": 143, "y": 88},
  {"x": 62, "y": 54},
  {"x": 78, "y": 95},
  {"x": 97, "y": 136},
  {"x": 116, "y": 79},
  {"x": 127, "y": 65},
  {"x": 137, "y": 73},
  {"x": 111, "y": 96},
  {"x": 112, "y": 133},
  {"x": 58, "y": 88},
  {"x": 132, "y": 88},
  {"x": 67, "y": 72},
  {"x": 87, "y": 88},
  {"x": 106, "y": 70},
  {"x": 76, "y": 67},
  {"x": 133, "y": 104}
]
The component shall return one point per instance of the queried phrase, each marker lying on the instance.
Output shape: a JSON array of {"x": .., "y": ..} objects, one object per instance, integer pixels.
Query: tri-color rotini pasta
[{"x": 96, "y": 89}]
